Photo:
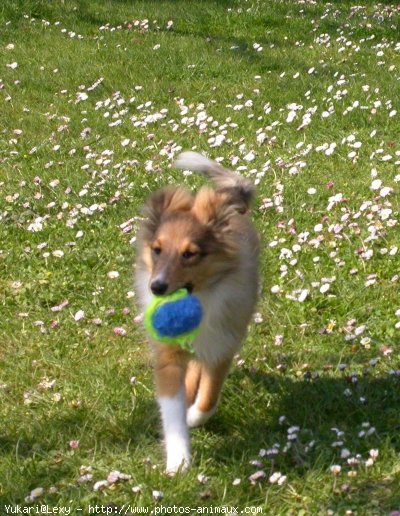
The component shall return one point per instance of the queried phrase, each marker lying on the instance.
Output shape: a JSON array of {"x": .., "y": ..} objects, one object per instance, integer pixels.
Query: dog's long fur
[{"x": 207, "y": 243}]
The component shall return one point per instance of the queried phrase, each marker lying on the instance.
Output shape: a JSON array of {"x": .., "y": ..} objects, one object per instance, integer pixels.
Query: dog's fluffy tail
[{"x": 239, "y": 189}]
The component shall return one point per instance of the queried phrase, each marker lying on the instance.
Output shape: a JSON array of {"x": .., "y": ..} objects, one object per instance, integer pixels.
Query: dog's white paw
[
  {"x": 195, "y": 417},
  {"x": 178, "y": 457}
]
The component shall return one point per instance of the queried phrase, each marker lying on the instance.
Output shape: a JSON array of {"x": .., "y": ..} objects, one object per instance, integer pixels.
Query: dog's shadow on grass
[
  {"x": 250, "y": 419},
  {"x": 254, "y": 403}
]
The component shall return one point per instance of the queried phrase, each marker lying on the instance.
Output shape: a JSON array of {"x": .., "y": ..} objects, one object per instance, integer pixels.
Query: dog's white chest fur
[{"x": 226, "y": 314}]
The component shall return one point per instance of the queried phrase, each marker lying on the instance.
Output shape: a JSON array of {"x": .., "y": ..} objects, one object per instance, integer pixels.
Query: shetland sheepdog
[{"x": 206, "y": 243}]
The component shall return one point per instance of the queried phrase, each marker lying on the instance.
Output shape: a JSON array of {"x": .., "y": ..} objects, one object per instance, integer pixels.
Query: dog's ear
[
  {"x": 213, "y": 209},
  {"x": 167, "y": 200}
]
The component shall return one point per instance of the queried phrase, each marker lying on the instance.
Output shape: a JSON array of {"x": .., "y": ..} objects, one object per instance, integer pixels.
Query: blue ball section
[{"x": 178, "y": 317}]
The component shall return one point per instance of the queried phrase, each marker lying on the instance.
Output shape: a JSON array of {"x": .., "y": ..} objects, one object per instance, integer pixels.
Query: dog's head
[{"x": 187, "y": 240}]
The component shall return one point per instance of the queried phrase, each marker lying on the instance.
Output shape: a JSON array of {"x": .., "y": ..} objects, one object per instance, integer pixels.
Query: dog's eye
[
  {"x": 186, "y": 255},
  {"x": 157, "y": 250}
]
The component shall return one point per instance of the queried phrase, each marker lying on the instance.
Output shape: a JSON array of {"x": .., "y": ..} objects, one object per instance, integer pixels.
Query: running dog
[{"x": 206, "y": 243}]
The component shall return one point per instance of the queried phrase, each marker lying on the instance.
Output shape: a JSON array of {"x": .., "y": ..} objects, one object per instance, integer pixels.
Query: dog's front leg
[
  {"x": 210, "y": 381},
  {"x": 170, "y": 367}
]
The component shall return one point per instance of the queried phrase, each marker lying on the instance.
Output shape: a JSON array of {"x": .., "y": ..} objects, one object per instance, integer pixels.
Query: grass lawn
[{"x": 97, "y": 98}]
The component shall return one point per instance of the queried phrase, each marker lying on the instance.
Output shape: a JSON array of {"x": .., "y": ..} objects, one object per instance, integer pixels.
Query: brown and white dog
[{"x": 206, "y": 243}]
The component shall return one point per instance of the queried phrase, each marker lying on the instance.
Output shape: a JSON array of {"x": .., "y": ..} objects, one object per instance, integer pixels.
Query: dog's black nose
[
  {"x": 189, "y": 287},
  {"x": 159, "y": 287}
]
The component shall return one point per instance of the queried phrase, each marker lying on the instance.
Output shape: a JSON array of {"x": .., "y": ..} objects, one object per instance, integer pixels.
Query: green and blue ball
[{"x": 174, "y": 319}]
